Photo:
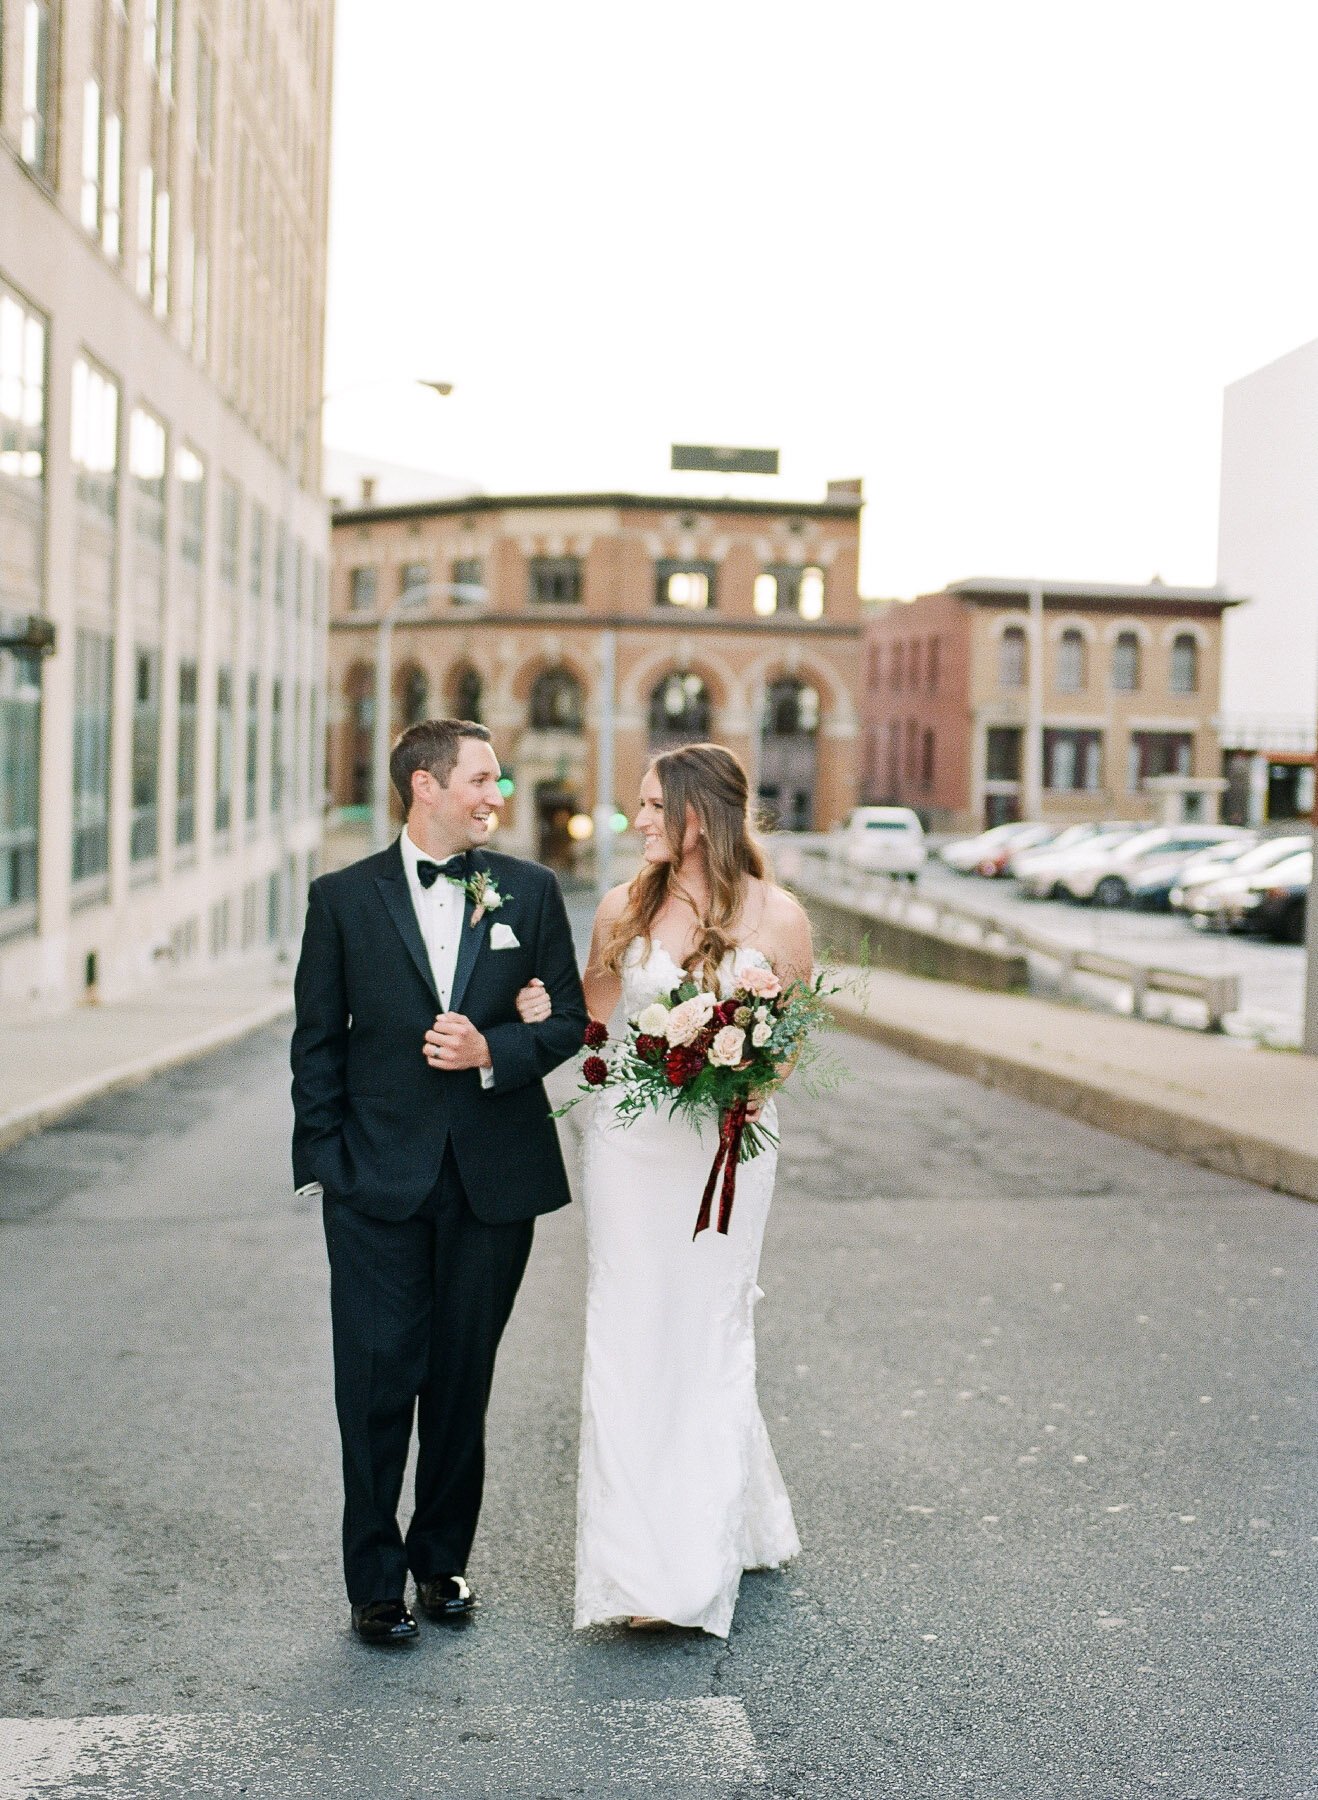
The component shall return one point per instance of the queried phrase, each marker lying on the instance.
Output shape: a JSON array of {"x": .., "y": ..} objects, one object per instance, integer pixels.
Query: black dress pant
[{"x": 417, "y": 1309}]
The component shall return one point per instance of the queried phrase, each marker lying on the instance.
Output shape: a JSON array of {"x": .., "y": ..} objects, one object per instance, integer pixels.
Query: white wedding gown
[{"x": 679, "y": 1490}]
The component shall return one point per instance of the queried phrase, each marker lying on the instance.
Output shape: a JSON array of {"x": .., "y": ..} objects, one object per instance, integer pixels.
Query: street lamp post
[
  {"x": 1032, "y": 772},
  {"x": 1311, "y": 940},
  {"x": 604, "y": 761},
  {"x": 284, "y": 820}
]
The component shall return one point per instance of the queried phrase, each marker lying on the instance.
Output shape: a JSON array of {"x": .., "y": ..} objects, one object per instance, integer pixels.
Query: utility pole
[
  {"x": 604, "y": 775},
  {"x": 1032, "y": 772},
  {"x": 1311, "y": 940}
]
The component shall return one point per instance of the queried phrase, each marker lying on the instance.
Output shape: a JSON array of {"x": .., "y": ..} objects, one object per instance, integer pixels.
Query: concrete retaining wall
[{"x": 841, "y": 932}]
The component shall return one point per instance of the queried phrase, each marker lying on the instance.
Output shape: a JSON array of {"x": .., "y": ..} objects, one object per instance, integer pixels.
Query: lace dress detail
[{"x": 679, "y": 1489}]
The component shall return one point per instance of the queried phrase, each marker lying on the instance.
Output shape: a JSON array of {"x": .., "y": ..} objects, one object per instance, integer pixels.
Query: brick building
[
  {"x": 735, "y": 620},
  {"x": 1124, "y": 684}
]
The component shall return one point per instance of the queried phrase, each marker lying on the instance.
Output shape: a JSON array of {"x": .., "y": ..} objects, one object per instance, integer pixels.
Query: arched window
[
  {"x": 1071, "y": 661},
  {"x": 791, "y": 708},
  {"x": 1185, "y": 663},
  {"x": 556, "y": 701},
  {"x": 680, "y": 710},
  {"x": 467, "y": 691},
  {"x": 414, "y": 693},
  {"x": 1011, "y": 657},
  {"x": 1126, "y": 662}
]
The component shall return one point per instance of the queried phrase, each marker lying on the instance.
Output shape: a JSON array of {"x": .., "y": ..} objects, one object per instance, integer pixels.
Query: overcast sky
[{"x": 999, "y": 257}]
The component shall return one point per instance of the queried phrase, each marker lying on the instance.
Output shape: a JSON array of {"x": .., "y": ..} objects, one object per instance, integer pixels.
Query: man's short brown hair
[{"x": 433, "y": 745}]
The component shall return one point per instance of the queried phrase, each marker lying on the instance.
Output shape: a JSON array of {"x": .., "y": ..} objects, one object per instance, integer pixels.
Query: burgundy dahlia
[
  {"x": 595, "y": 1071},
  {"x": 726, "y": 1013},
  {"x": 682, "y": 1063},
  {"x": 596, "y": 1034},
  {"x": 648, "y": 1048}
]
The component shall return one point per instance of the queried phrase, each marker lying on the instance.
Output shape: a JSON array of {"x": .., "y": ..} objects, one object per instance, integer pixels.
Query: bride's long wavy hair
[{"x": 710, "y": 780}]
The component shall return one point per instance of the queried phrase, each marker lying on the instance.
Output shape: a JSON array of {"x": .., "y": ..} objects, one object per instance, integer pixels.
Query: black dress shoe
[
  {"x": 445, "y": 1597},
  {"x": 384, "y": 1622}
]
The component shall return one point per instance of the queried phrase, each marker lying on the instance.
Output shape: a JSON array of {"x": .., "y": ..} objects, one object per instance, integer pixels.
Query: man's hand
[
  {"x": 453, "y": 1042},
  {"x": 533, "y": 1003}
]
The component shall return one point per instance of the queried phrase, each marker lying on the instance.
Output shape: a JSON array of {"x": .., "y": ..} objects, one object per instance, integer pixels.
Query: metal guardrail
[{"x": 810, "y": 867}]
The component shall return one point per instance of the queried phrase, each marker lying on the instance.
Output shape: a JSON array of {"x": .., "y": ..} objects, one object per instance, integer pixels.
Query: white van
[{"x": 884, "y": 840}]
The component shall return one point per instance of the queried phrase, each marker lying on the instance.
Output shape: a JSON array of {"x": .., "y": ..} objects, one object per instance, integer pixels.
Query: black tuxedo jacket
[{"x": 372, "y": 1119}]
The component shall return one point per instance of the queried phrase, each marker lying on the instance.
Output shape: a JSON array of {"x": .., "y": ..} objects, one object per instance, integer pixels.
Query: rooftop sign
[{"x": 714, "y": 459}]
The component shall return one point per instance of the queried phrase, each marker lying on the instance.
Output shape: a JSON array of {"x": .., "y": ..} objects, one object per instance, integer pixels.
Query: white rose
[
  {"x": 726, "y": 1050},
  {"x": 654, "y": 1020},
  {"x": 761, "y": 1035}
]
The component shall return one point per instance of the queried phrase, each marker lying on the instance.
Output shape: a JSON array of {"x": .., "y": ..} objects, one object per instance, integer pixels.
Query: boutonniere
[{"x": 480, "y": 889}]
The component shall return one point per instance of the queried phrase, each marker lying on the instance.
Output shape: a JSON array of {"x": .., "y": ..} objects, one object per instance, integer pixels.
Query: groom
[{"x": 432, "y": 1164}]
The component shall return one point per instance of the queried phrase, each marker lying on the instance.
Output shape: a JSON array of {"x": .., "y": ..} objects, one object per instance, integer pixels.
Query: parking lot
[{"x": 1271, "y": 975}]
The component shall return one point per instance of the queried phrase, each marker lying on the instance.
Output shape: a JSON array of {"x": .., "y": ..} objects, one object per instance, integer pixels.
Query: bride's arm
[{"x": 602, "y": 989}]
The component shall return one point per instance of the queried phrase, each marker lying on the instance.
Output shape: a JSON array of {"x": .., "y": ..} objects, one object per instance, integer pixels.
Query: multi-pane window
[
  {"x": 416, "y": 696},
  {"x": 223, "y": 749},
  {"x": 276, "y": 747},
  {"x": 195, "y": 322},
  {"x": 185, "y": 811},
  {"x": 790, "y": 587},
  {"x": 93, "y": 706},
  {"x": 1071, "y": 661},
  {"x": 20, "y": 740},
  {"x": 22, "y": 390},
  {"x": 154, "y": 210},
  {"x": 1153, "y": 753},
  {"x": 680, "y": 709},
  {"x": 791, "y": 708},
  {"x": 281, "y": 565},
  {"x": 414, "y": 583},
  {"x": 556, "y": 701},
  {"x": 40, "y": 89},
  {"x": 146, "y": 465},
  {"x": 95, "y": 437},
  {"x": 927, "y": 759},
  {"x": 363, "y": 585},
  {"x": 231, "y": 515},
  {"x": 468, "y": 694},
  {"x": 1012, "y": 657},
  {"x": 932, "y": 664},
  {"x": 1185, "y": 663},
  {"x": 467, "y": 581},
  {"x": 103, "y": 108},
  {"x": 1002, "y": 753},
  {"x": 190, "y": 473},
  {"x": 555, "y": 580},
  {"x": 1072, "y": 760},
  {"x": 689, "y": 585},
  {"x": 252, "y": 748},
  {"x": 1126, "y": 662},
  {"x": 144, "y": 825},
  {"x": 256, "y": 559}
]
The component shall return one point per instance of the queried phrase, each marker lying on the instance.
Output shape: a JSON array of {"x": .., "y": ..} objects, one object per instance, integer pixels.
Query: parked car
[
  {"x": 1106, "y": 878},
  {"x": 1201, "y": 889},
  {"x": 1152, "y": 892},
  {"x": 1273, "y": 902},
  {"x": 1068, "y": 839},
  {"x": 1041, "y": 876},
  {"x": 997, "y": 862},
  {"x": 884, "y": 840},
  {"x": 966, "y": 854}
]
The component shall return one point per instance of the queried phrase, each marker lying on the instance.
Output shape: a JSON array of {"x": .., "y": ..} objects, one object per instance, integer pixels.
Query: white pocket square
[{"x": 503, "y": 937}]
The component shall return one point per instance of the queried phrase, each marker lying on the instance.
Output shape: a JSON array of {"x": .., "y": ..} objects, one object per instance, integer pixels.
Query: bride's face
[{"x": 651, "y": 826}]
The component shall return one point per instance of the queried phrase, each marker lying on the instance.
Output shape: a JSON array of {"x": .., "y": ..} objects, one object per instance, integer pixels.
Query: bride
[{"x": 679, "y": 1490}]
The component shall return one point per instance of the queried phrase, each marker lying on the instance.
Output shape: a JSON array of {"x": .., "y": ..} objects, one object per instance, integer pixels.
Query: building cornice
[
  {"x": 488, "y": 503},
  {"x": 559, "y": 619},
  {"x": 1104, "y": 595}
]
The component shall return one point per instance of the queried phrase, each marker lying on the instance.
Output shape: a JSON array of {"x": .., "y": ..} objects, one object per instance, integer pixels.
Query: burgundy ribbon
[{"x": 731, "y": 1125}]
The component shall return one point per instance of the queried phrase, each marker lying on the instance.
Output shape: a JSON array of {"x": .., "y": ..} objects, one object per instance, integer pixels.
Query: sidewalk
[
  {"x": 50, "y": 1066},
  {"x": 1240, "y": 1108}
]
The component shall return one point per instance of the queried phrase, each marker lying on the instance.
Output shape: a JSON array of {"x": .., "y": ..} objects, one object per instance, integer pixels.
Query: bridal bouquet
[{"x": 706, "y": 1055}]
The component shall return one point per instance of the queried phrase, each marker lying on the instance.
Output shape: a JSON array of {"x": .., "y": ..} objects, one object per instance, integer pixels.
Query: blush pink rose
[
  {"x": 763, "y": 983},
  {"x": 688, "y": 1019},
  {"x": 726, "y": 1050}
]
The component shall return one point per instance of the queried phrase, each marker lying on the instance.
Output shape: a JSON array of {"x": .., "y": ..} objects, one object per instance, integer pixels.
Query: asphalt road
[{"x": 1041, "y": 1399}]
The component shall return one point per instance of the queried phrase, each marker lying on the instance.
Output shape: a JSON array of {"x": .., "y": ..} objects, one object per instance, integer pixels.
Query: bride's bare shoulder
[
  {"x": 775, "y": 907},
  {"x": 612, "y": 904}
]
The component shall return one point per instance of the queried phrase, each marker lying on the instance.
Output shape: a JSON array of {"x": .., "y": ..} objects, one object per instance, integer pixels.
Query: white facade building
[{"x": 163, "y": 196}]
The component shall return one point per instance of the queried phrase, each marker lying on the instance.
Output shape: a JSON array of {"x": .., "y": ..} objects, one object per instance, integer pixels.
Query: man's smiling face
[{"x": 462, "y": 813}]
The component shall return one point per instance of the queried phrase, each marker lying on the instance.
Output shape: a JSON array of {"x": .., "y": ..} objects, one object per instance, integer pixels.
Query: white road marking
[{"x": 471, "y": 1750}]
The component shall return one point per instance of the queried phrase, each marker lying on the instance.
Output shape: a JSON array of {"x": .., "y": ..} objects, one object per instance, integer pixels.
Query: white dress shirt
[{"x": 439, "y": 912}]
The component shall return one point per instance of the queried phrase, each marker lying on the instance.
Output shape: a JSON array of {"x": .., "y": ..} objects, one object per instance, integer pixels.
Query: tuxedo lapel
[
  {"x": 470, "y": 944},
  {"x": 394, "y": 892}
]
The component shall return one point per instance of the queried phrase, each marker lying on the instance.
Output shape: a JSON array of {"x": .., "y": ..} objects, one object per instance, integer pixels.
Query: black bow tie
[{"x": 428, "y": 873}]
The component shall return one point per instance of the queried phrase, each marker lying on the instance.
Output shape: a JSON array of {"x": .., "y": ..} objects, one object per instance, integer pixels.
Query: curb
[
  {"x": 24, "y": 1121},
  {"x": 1260, "y": 1160}
]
